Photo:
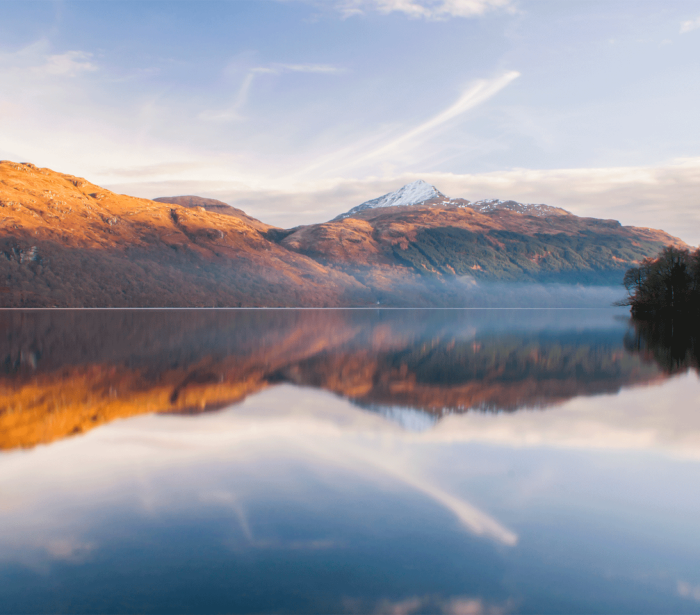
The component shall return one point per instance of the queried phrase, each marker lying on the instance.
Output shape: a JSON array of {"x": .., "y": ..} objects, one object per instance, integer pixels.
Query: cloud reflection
[
  {"x": 458, "y": 605},
  {"x": 157, "y": 463},
  {"x": 689, "y": 591},
  {"x": 318, "y": 429}
]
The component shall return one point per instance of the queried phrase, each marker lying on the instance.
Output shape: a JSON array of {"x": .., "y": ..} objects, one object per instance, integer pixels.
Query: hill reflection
[{"x": 65, "y": 372}]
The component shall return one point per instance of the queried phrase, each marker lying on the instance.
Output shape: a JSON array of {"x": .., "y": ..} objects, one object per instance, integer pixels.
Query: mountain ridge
[
  {"x": 490, "y": 240},
  {"x": 213, "y": 206},
  {"x": 421, "y": 192},
  {"x": 67, "y": 242}
]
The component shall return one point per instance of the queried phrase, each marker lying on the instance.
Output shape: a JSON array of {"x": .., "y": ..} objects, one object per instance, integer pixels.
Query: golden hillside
[{"x": 67, "y": 242}]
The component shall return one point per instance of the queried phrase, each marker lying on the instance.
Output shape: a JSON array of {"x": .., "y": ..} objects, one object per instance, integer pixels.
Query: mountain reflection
[{"x": 65, "y": 372}]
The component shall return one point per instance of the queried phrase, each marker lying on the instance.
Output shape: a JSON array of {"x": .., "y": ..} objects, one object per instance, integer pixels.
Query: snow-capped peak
[
  {"x": 410, "y": 194},
  {"x": 419, "y": 192},
  {"x": 414, "y": 193}
]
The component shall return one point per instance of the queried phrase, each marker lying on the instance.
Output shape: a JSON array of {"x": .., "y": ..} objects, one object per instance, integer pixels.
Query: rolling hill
[{"x": 69, "y": 243}]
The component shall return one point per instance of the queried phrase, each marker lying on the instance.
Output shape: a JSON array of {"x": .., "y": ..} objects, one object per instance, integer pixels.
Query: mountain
[
  {"x": 67, "y": 242},
  {"x": 420, "y": 192},
  {"x": 418, "y": 230},
  {"x": 411, "y": 194}
]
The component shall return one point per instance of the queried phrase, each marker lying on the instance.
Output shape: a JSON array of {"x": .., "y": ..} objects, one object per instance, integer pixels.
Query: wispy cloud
[
  {"x": 308, "y": 68},
  {"x": 691, "y": 24},
  {"x": 357, "y": 154},
  {"x": 478, "y": 93},
  {"x": 68, "y": 548},
  {"x": 34, "y": 61},
  {"x": 422, "y": 9},
  {"x": 689, "y": 591},
  {"x": 68, "y": 64},
  {"x": 458, "y": 605},
  {"x": 233, "y": 112}
]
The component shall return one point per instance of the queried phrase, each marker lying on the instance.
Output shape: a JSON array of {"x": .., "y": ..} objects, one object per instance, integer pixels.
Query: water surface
[{"x": 341, "y": 461}]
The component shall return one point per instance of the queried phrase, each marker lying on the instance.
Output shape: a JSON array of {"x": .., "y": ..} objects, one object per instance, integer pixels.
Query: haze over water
[{"x": 341, "y": 461}]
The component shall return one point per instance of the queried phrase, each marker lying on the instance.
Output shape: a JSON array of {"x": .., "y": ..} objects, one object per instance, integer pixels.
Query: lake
[{"x": 347, "y": 461}]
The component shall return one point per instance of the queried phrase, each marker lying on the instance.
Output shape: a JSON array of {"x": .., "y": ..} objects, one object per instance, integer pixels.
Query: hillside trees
[{"x": 668, "y": 285}]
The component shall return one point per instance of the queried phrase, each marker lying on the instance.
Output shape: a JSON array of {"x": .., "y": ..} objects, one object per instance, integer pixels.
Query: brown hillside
[
  {"x": 67, "y": 242},
  {"x": 500, "y": 245},
  {"x": 215, "y": 207}
]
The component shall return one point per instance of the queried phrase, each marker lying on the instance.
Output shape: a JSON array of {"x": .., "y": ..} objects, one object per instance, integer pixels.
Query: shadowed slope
[{"x": 498, "y": 244}]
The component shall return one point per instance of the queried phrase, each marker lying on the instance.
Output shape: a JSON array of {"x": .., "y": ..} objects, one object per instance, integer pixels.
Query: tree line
[{"x": 668, "y": 285}]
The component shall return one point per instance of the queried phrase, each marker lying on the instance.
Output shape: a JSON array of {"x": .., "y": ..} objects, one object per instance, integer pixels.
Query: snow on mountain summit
[
  {"x": 419, "y": 192},
  {"x": 411, "y": 194},
  {"x": 415, "y": 193}
]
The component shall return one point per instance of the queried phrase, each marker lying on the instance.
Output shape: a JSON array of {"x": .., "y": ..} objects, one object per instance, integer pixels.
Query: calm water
[{"x": 332, "y": 461}]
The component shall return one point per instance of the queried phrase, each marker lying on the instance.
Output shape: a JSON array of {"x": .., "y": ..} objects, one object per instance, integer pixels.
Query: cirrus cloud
[
  {"x": 35, "y": 61},
  {"x": 425, "y": 9},
  {"x": 233, "y": 112}
]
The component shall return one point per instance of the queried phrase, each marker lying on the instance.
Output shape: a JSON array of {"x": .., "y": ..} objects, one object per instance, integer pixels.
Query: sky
[{"x": 297, "y": 110}]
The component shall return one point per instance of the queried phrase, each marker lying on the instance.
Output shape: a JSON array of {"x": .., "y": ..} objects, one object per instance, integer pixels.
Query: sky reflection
[
  {"x": 272, "y": 473},
  {"x": 301, "y": 497}
]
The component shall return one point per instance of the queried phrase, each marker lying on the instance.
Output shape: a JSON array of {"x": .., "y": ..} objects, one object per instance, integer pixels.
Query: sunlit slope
[
  {"x": 213, "y": 206},
  {"x": 67, "y": 242},
  {"x": 447, "y": 241},
  {"x": 66, "y": 372}
]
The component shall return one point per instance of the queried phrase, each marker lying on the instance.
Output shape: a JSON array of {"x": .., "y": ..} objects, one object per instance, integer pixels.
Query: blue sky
[{"x": 296, "y": 110}]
